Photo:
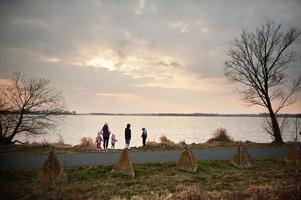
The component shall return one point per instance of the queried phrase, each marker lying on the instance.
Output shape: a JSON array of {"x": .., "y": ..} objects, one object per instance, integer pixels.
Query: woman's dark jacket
[{"x": 127, "y": 133}]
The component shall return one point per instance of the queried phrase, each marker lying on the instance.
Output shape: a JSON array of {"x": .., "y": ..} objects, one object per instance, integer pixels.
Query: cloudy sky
[{"x": 136, "y": 56}]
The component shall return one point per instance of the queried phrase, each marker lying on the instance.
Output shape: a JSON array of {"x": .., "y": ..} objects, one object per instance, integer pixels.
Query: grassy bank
[
  {"x": 45, "y": 148},
  {"x": 220, "y": 139},
  {"x": 152, "y": 180}
]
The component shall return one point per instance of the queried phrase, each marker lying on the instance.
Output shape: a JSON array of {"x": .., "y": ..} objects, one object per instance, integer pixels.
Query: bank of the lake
[{"x": 191, "y": 129}]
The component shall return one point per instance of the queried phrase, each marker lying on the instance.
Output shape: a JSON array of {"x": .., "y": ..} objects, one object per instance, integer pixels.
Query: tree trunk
[
  {"x": 18, "y": 124},
  {"x": 5, "y": 141},
  {"x": 275, "y": 127}
]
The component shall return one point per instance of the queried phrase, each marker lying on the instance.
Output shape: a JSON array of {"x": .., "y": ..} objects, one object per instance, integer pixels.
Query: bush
[
  {"x": 87, "y": 142},
  {"x": 165, "y": 141},
  {"x": 152, "y": 143},
  {"x": 220, "y": 135}
]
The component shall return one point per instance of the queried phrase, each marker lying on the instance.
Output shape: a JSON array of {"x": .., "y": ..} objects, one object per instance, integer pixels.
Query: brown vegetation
[
  {"x": 268, "y": 179},
  {"x": 165, "y": 141},
  {"x": 86, "y": 142},
  {"x": 220, "y": 135},
  {"x": 274, "y": 191},
  {"x": 280, "y": 190}
]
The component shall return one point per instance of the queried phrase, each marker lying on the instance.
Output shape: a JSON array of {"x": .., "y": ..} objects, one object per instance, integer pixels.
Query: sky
[{"x": 137, "y": 56}]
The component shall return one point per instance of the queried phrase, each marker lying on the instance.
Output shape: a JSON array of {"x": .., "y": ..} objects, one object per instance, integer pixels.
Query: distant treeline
[
  {"x": 40, "y": 112},
  {"x": 298, "y": 115},
  {"x": 198, "y": 114}
]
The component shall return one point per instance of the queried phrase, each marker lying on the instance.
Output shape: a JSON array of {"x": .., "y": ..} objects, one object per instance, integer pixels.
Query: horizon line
[{"x": 179, "y": 113}]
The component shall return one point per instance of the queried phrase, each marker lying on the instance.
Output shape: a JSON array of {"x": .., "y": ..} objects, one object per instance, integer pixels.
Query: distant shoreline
[
  {"x": 192, "y": 114},
  {"x": 297, "y": 115}
]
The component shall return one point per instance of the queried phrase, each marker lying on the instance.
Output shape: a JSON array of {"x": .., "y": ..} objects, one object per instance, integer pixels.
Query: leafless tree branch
[
  {"x": 258, "y": 63},
  {"x": 28, "y": 106}
]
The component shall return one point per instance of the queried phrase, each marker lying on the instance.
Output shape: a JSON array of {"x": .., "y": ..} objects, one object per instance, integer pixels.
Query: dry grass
[
  {"x": 189, "y": 193},
  {"x": 87, "y": 145},
  {"x": 87, "y": 142},
  {"x": 268, "y": 179},
  {"x": 163, "y": 144},
  {"x": 220, "y": 135},
  {"x": 281, "y": 190},
  {"x": 165, "y": 141}
]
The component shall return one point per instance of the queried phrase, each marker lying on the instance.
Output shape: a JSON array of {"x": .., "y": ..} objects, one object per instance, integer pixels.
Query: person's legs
[
  {"x": 104, "y": 143},
  {"x": 144, "y": 140},
  {"x": 127, "y": 143},
  {"x": 107, "y": 144}
]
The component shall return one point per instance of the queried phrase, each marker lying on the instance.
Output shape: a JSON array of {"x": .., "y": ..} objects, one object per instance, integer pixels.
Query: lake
[{"x": 176, "y": 128}]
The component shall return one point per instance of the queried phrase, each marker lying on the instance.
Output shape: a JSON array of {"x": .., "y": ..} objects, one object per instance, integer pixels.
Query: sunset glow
[
  {"x": 137, "y": 56},
  {"x": 101, "y": 62}
]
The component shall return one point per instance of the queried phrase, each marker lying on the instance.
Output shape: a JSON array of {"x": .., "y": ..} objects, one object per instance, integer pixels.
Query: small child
[
  {"x": 98, "y": 141},
  {"x": 113, "y": 140}
]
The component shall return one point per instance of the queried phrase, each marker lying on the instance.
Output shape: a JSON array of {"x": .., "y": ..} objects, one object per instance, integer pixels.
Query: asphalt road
[{"x": 13, "y": 161}]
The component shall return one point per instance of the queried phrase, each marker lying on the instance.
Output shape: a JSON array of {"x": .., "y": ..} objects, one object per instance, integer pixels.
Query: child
[
  {"x": 144, "y": 136},
  {"x": 113, "y": 140},
  {"x": 98, "y": 141}
]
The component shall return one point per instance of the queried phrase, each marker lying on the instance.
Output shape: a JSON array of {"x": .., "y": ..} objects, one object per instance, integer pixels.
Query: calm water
[{"x": 190, "y": 129}]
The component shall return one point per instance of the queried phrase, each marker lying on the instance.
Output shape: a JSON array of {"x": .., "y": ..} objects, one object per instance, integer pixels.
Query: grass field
[{"x": 152, "y": 181}]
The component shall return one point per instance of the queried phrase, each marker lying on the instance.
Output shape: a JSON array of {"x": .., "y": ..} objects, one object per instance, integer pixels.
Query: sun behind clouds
[{"x": 101, "y": 62}]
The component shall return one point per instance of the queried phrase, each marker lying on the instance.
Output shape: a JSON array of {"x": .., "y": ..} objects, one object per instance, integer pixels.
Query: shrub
[
  {"x": 220, "y": 135},
  {"x": 165, "y": 141},
  {"x": 151, "y": 143},
  {"x": 87, "y": 142}
]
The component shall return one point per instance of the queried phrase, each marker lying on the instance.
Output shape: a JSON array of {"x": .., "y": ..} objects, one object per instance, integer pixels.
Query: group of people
[{"x": 104, "y": 135}]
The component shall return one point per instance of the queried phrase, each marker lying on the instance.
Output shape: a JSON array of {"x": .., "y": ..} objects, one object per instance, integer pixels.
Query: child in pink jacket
[
  {"x": 113, "y": 140},
  {"x": 98, "y": 141}
]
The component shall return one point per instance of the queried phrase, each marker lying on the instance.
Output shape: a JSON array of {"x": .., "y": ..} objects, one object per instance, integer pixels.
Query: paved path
[{"x": 11, "y": 161}]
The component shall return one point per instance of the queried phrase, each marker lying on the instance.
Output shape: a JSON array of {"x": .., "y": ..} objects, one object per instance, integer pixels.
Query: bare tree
[
  {"x": 297, "y": 129},
  {"x": 258, "y": 63},
  {"x": 28, "y": 106}
]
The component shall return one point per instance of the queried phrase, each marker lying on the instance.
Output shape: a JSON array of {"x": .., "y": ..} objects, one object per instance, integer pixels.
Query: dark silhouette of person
[
  {"x": 127, "y": 135},
  {"x": 105, "y": 131},
  {"x": 144, "y": 136}
]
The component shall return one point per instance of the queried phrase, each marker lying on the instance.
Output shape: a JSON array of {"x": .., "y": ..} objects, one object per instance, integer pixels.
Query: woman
[
  {"x": 127, "y": 134},
  {"x": 105, "y": 131}
]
